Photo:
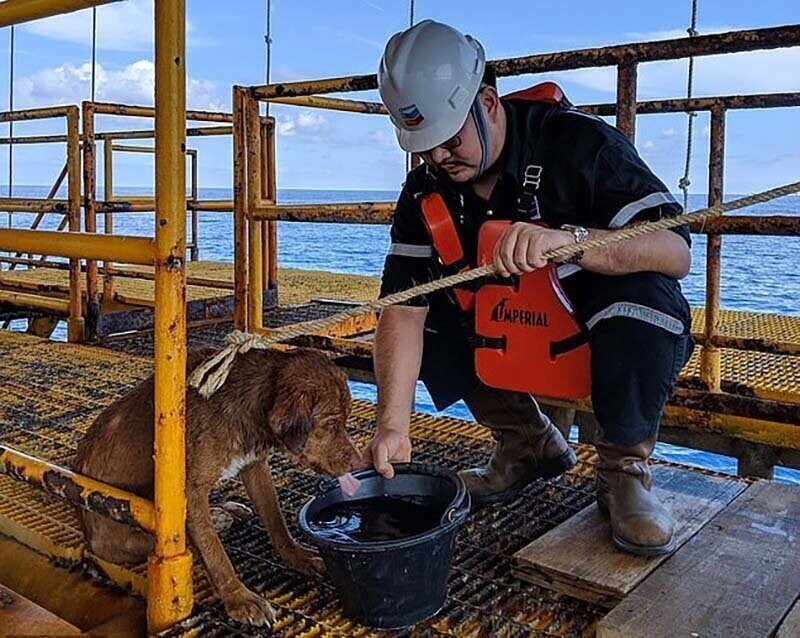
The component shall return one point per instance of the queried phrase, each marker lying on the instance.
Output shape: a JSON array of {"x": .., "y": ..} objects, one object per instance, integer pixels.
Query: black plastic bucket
[{"x": 390, "y": 584}]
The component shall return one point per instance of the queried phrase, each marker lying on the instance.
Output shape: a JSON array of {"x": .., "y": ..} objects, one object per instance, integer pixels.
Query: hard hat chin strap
[{"x": 483, "y": 133}]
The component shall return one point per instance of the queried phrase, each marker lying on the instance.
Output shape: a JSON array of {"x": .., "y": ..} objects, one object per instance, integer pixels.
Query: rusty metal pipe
[
  {"x": 169, "y": 570},
  {"x": 135, "y": 110},
  {"x": 19, "y": 11},
  {"x": 361, "y": 213},
  {"x": 75, "y": 322},
  {"x": 714, "y": 44},
  {"x": 333, "y": 104},
  {"x": 124, "y": 248},
  {"x": 77, "y": 489},
  {"x": 626, "y": 99},
  {"x": 710, "y": 358},
  {"x": 240, "y": 255},
  {"x": 254, "y": 191},
  {"x": 40, "y": 113}
]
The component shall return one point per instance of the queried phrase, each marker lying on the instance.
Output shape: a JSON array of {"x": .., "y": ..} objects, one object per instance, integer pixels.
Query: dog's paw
[
  {"x": 247, "y": 607},
  {"x": 227, "y": 514},
  {"x": 239, "y": 511},
  {"x": 306, "y": 561}
]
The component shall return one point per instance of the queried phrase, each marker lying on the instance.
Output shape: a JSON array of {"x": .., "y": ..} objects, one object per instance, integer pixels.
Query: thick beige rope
[{"x": 209, "y": 376}]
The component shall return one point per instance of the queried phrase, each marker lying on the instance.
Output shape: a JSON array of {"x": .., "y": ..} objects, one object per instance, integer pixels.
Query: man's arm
[
  {"x": 397, "y": 358},
  {"x": 521, "y": 247}
]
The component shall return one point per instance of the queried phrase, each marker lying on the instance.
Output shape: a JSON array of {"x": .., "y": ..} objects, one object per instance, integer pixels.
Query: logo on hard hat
[{"x": 411, "y": 115}]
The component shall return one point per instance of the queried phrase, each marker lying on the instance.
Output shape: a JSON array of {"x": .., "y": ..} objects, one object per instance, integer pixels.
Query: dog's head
[{"x": 311, "y": 404}]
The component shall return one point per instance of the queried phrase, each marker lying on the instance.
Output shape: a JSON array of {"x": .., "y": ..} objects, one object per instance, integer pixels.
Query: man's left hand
[{"x": 521, "y": 247}]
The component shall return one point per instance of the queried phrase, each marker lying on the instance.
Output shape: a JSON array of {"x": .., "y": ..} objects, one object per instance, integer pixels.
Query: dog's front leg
[
  {"x": 257, "y": 479},
  {"x": 240, "y": 603}
]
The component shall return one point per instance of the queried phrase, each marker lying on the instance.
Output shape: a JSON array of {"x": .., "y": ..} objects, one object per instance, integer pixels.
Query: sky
[{"x": 327, "y": 150}]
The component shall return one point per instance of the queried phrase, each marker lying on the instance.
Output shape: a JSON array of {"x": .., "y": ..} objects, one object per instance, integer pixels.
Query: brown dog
[{"x": 297, "y": 401}]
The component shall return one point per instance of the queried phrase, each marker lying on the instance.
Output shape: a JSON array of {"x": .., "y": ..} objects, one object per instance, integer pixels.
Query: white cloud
[
  {"x": 648, "y": 145},
  {"x": 668, "y": 132},
  {"x": 307, "y": 123},
  {"x": 766, "y": 71},
  {"x": 134, "y": 84},
  {"x": 284, "y": 126},
  {"x": 122, "y": 26},
  {"x": 312, "y": 121}
]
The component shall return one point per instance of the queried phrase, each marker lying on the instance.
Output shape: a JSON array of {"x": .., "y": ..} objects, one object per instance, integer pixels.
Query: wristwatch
[{"x": 581, "y": 235}]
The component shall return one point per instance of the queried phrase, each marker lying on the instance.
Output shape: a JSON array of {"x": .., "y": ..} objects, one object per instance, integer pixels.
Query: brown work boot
[
  {"x": 528, "y": 447},
  {"x": 640, "y": 524}
]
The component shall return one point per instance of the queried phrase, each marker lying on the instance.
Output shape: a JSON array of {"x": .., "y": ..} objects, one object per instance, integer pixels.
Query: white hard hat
[{"x": 428, "y": 78}]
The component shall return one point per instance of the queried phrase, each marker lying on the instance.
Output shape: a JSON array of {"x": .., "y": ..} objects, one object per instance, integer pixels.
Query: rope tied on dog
[{"x": 208, "y": 377}]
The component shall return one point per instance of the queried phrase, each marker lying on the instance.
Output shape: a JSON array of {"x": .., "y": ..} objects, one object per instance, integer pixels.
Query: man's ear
[
  {"x": 290, "y": 420},
  {"x": 491, "y": 101}
]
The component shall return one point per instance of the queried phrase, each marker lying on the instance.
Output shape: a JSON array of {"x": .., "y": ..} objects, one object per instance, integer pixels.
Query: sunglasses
[{"x": 449, "y": 145}]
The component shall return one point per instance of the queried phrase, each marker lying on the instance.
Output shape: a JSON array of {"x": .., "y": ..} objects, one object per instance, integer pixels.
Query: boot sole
[
  {"x": 643, "y": 550},
  {"x": 638, "y": 550},
  {"x": 549, "y": 470}
]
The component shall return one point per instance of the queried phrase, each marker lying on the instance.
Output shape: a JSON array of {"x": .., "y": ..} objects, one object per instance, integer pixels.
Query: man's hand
[
  {"x": 387, "y": 447},
  {"x": 521, "y": 246}
]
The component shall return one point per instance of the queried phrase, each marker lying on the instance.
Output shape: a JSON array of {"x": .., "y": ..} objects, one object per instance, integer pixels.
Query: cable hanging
[
  {"x": 11, "y": 125},
  {"x": 410, "y": 24},
  {"x": 684, "y": 182},
  {"x": 268, "y": 43}
]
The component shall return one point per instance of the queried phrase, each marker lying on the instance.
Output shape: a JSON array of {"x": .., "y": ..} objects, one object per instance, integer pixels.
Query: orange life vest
[{"x": 529, "y": 338}]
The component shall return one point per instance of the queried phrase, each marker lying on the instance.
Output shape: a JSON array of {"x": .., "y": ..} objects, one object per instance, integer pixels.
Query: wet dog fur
[{"x": 296, "y": 401}]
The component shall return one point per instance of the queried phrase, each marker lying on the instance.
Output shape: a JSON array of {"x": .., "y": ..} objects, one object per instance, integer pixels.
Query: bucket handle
[{"x": 457, "y": 512}]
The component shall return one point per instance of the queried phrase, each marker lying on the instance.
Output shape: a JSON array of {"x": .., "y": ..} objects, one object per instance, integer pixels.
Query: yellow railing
[{"x": 169, "y": 570}]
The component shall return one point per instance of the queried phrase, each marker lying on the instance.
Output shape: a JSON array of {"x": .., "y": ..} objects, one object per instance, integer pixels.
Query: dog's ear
[{"x": 290, "y": 420}]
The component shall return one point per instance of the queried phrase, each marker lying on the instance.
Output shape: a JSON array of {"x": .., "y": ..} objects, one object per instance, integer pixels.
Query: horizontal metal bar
[
  {"x": 333, "y": 104},
  {"x": 361, "y": 213},
  {"x": 36, "y": 114},
  {"x": 211, "y": 205},
  {"x": 36, "y": 302},
  {"x": 770, "y": 225},
  {"x": 34, "y": 139},
  {"x": 19, "y": 11},
  {"x": 16, "y": 204},
  {"x": 677, "y": 48},
  {"x": 79, "y": 490},
  {"x": 125, "y": 148},
  {"x": 119, "y": 248},
  {"x": 147, "y": 134},
  {"x": 714, "y": 44},
  {"x": 757, "y": 344},
  {"x": 681, "y": 105},
  {"x": 136, "y": 110}
]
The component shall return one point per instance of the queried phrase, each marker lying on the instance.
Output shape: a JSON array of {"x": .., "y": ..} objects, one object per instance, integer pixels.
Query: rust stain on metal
[{"x": 117, "y": 509}]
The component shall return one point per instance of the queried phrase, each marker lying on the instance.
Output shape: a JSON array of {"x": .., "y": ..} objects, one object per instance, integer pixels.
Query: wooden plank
[
  {"x": 738, "y": 578},
  {"x": 22, "y": 617},
  {"x": 577, "y": 557},
  {"x": 790, "y": 627}
]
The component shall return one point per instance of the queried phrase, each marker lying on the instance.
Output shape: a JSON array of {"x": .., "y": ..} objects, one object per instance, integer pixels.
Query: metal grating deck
[{"x": 52, "y": 391}]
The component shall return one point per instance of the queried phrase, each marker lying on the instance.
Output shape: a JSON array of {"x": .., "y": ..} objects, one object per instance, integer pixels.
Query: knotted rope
[{"x": 210, "y": 375}]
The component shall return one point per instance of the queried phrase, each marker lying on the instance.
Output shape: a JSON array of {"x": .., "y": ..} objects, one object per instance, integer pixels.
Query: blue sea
[{"x": 758, "y": 273}]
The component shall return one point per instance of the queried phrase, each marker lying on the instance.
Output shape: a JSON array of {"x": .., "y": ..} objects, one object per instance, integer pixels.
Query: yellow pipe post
[
  {"x": 169, "y": 571},
  {"x": 266, "y": 248},
  {"x": 124, "y": 248},
  {"x": 240, "y": 257},
  {"x": 194, "y": 249},
  {"x": 272, "y": 273},
  {"x": 255, "y": 315},
  {"x": 17, "y": 11},
  {"x": 90, "y": 206},
  {"x": 108, "y": 217},
  {"x": 75, "y": 323},
  {"x": 42, "y": 473}
]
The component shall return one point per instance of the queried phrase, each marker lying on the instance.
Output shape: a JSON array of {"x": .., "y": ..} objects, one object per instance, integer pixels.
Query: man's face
[{"x": 459, "y": 157}]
